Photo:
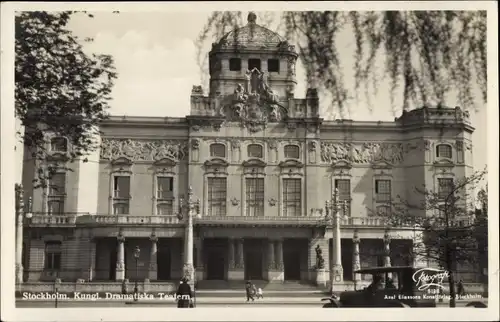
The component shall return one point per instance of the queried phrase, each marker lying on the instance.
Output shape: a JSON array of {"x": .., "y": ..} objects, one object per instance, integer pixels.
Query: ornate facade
[{"x": 263, "y": 167}]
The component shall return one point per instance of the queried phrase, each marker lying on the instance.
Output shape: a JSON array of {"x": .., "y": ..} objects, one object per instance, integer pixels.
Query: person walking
[
  {"x": 184, "y": 294},
  {"x": 249, "y": 287}
]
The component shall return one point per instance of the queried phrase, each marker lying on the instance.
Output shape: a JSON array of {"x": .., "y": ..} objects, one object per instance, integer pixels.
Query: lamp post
[
  {"x": 20, "y": 215},
  {"x": 188, "y": 209},
  {"x": 333, "y": 218},
  {"x": 137, "y": 253}
]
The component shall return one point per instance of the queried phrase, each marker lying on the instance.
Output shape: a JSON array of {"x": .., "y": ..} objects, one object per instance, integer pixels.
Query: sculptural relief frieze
[
  {"x": 143, "y": 150},
  {"x": 364, "y": 152},
  {"x": 254, "y": 103}
]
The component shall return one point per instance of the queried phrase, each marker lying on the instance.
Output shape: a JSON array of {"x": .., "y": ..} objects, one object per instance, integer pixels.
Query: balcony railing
[{"x": 74, "y": 219}]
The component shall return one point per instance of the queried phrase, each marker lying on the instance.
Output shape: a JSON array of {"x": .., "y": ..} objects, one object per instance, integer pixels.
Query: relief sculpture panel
[
  {"x": 363, "y": 152},
  {"x": 144, "y": 150}
]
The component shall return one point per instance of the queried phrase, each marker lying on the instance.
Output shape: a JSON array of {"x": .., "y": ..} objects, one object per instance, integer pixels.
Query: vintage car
[
  {"x": 402, "y": 292},
  {"x": 396, "y": 288}
]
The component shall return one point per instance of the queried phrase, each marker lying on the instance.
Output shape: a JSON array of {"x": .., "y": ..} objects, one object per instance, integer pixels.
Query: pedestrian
[
  {"x": 460, "y": 288},
  {"x": 184, "y": 294},
  {"x": 259, "y": 294},
  {"x": 249, "y": 290}
]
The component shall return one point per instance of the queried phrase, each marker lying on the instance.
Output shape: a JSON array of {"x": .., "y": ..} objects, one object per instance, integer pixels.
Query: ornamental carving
[
  {"x": 143, "y": 150},
  {"x": 195, "y": 144},
  {"x": 254, "y": 104},
  {"x": 363, "y": 153}
]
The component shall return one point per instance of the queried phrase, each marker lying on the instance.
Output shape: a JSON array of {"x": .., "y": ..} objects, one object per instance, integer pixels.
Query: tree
[
  {"x": 482, "y": 231},
  {"x": 445, "y": 228},
  {"x": 58, "y": 87},
  {"x": 427, "y": 54}
]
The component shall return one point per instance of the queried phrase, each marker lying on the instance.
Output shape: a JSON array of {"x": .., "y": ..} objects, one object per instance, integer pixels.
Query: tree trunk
[{"x": 451, "y": 278}]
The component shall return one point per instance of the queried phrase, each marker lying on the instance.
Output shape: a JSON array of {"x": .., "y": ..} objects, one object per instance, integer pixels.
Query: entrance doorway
[
  {"x": 254, "y": 250},
  {"x": 292, "y": 250},
  {"x": 215, "y": 255},
  {"x": 164, "y": 262}
]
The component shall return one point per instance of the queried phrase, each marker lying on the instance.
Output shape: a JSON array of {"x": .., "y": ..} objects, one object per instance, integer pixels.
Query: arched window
[
  {"x": 58, "y": 144},
  {"x": 291, "y": 151},
  {"x": 255, "y": 151},
  {"x": 443, "y": 151},
  {"x": 217, "y": 150}
]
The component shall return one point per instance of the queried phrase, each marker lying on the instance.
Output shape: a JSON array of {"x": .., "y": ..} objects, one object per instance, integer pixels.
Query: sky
[{"x": 155, "y": 57}]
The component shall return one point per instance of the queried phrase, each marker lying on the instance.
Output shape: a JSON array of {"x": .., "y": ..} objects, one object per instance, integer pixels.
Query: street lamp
[
  {"x": 333, "y": 218},
  {"x": 137, "y": 253},
  {"x": 189, "y": 208},
  {"x": 21, "y": 213}
]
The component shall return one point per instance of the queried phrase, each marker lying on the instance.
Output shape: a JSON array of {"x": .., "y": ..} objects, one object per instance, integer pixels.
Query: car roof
[{"x": 388, "y": 269}]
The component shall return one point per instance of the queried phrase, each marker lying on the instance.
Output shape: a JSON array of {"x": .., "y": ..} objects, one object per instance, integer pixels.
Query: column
[
  {"x": 153, "y": 265},
  {"x": 232, "y": 263},
  {"x": 241, "y": 253},
  {"x": 92, "y": 258},
  {"x": 337, "y": 271},
  {"x": 200, "y": 266},
  {"x": 271, "y": 262},
  {"x": 279, "y": 255},
  {"x": 120, "y": 258},
  {"x": 356, "y": 263},
  {"x": 19, "y": 233}
]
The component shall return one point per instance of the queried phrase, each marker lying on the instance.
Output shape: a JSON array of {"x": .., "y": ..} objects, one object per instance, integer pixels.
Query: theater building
[{"x": 261, "y": 163}]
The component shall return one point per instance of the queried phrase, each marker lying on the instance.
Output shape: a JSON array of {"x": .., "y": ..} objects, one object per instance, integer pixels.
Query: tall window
[
  {"x": 217, "y": 194},
  {"x": 383, "y": 190},
  {"x": 53, "y": 255},
  {"x": 121, "y": 195},
  {"x": 58, "y": 144},
  {"x": 57, "y": 193},
  {"x": 217, "y": 150},
  {"x": 445, "y": 187},
  {"x": 234, "y": 64},
  {"x": 273, "y": 65},
  {"x": 443, "y": 151},
  {"x": 344, "y": 188},
  {"x": 292, "y": 197},
  {"x": 291, "y": 152},
  {"x": 255, "y": 151},
  {"x": 254, "y": 197},
  {"x": 164, "y": 196}
]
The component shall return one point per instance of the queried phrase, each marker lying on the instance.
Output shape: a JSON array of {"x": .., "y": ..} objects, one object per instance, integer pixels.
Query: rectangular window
[
  {"x": 165, "y": 208},
  {"x": 217, "y": 150},
  {"x": 121, "y": 195},
  {"x": 344, "y": 188},
  {"x": 254, "y": 197},
  {"x": 255, "y": 151},
  {"x": 273, "y": 65},
  {"x": 217, "y": 194},
  {"x": 291, "y": 152},
  {"x": 253, "y": 63},
  {"x": 443, "y": 151},
  {"x": 53, "y": 255},
  {"x": 383, "y": 190},
  {"x": 57, "y": 194},
  {"x": 164, "y": 188},
  {"x": 57, "y": 184},
  {"x": 445, "y": 187},
  {"x": 292, "y": 197},
  {"x": 234, "y": 64},
  {"x": 58, "y": 144}
]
